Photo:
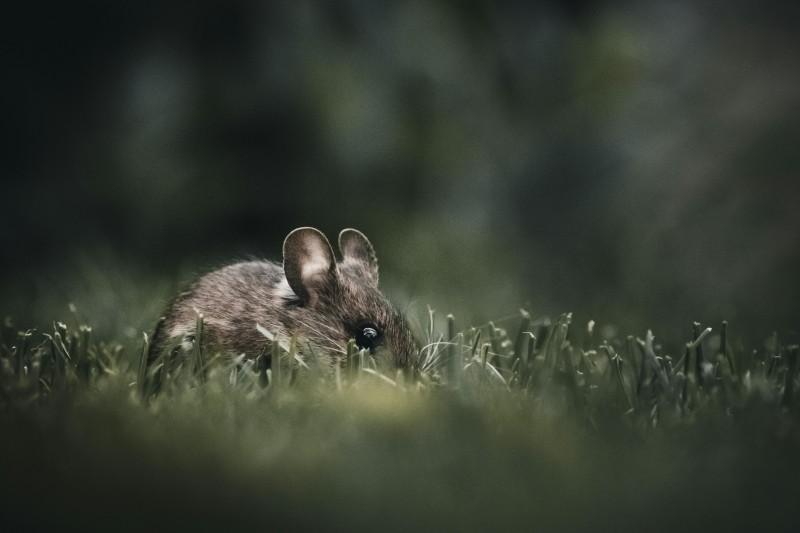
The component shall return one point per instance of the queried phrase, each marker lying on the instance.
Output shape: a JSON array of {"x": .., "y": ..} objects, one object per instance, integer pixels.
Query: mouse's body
[{"x": 311, "y": 297}]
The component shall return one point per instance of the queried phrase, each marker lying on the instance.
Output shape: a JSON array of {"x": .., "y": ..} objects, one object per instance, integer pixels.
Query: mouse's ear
[
  {"x": 308, "y": 263},
  {"x": 355, "y": 247}
]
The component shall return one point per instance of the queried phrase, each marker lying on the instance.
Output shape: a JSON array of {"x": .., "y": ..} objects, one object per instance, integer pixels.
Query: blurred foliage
[{"x": 634, "y": 161}]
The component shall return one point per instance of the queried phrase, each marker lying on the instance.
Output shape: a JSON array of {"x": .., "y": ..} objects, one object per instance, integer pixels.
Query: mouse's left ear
[
  {"x": 355, "y": 247},
  {"x": 309, "y": 264}
]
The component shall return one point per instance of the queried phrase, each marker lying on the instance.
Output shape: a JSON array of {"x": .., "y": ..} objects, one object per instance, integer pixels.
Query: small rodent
[{"x": 311, "y": 296}]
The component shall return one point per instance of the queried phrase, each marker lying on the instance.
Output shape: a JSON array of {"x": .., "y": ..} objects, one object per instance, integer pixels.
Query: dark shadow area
[{"x": 634, "y": 162}]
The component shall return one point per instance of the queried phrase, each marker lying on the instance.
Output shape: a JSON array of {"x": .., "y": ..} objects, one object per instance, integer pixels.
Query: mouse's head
[{"x": 337, "y": 301}]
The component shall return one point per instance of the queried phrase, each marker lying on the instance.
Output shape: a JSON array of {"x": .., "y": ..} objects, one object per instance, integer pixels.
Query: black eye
[{"x": 367, "y": 336}]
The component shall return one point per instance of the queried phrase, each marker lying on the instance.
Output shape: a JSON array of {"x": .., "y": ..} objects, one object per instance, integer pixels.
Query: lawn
[{"x": 521, "y": 424}]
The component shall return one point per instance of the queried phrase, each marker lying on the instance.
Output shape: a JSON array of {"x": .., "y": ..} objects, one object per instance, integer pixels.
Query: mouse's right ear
[
  {"x": 355, "y": 246},
  {"x": 308, "y": 263}
]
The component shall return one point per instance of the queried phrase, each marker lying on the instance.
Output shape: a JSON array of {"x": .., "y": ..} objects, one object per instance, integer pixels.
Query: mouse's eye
[{"x": 367, "y": 336}]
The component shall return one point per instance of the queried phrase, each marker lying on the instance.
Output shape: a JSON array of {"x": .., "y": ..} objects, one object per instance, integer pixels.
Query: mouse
[{"x": 310, "y": 296}]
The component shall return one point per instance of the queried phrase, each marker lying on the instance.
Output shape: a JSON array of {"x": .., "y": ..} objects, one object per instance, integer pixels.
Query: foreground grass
[{"x": 535, "y": 425}]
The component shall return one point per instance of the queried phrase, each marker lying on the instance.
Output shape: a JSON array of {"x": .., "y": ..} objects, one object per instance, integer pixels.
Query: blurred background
[{"x": 634, "y": 162}]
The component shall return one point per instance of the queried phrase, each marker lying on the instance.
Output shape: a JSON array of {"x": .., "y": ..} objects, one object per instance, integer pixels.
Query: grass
[{"x": 521, "y": 424}]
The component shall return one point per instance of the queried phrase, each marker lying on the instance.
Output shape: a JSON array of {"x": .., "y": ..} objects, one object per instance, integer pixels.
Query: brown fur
[{"x": 312, "y": 297}]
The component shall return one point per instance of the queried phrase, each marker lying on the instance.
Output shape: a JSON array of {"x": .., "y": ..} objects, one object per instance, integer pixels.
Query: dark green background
[{"x": 634, "y": 162}]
